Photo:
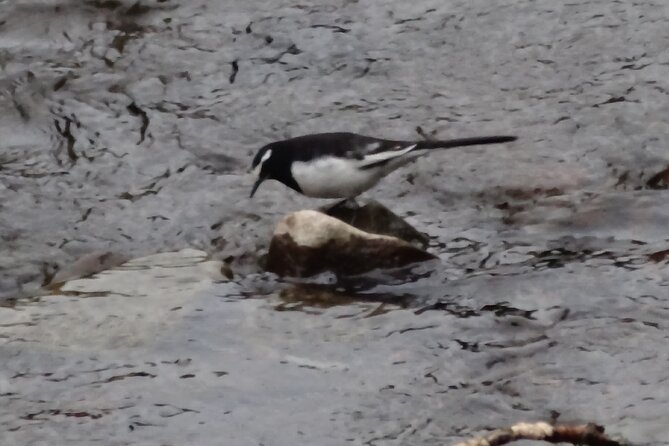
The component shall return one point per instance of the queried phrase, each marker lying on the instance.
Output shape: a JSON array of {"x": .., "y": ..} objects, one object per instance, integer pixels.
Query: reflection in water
[
  {"x": 310, "y": 298},
  {"x": 499, "y": 309}
]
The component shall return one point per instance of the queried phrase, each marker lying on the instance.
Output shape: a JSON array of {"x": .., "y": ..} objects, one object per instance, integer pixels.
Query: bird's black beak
[{"x": 257, "y": 184}]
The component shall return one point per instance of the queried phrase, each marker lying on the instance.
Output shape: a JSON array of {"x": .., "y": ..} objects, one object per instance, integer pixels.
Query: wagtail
[{"x": 343, "y": 165}]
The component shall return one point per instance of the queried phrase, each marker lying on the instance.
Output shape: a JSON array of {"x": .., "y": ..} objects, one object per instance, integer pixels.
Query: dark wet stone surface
[
  {"x": 376, "y": 218},
  {"x": 127, "y": 126}
]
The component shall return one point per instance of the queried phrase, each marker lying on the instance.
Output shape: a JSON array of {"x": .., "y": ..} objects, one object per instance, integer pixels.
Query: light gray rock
[
  {"x": 307, "y": 243},
  {"x": 122, "y": 307}
]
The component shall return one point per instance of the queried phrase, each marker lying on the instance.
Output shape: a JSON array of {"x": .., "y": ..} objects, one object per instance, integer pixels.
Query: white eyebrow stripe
[
  {"x": 256, "y": 170},
  {"x": 266, "y": 156}
]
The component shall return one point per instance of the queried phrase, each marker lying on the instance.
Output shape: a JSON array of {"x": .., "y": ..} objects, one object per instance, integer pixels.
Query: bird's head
[{"x": 262, "y": 167}]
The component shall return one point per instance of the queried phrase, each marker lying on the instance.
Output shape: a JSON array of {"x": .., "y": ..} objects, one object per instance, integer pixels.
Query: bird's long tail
[{"x": 447, "y": 144}]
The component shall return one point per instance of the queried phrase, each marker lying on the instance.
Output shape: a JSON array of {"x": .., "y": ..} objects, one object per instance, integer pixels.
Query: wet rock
[
  {"x": 377, "y": 219},
  {"x": 308, "y": 242},
  {"x": 660, "y": 180},
  {"x": 125, "y": 306},
  {"x": 87, "y": 265}
]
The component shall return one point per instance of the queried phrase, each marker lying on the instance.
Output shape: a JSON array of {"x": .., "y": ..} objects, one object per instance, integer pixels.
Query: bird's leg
[
  {"x": 344, "y": 210},
  {"x": 356, "y": 206},
  {"x": 340, "y": 203},
  {"x": 346, "y": 203}
]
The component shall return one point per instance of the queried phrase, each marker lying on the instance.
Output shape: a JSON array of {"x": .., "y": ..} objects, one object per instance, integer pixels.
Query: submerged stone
[
  {"x": 307, "y": 243},
  {"x": 87, "y": 265},
  {"x": 130, "y": 305}
]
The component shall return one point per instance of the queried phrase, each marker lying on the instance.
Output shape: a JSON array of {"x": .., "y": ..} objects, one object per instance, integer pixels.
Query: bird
[{"x": 343, "y": 165}]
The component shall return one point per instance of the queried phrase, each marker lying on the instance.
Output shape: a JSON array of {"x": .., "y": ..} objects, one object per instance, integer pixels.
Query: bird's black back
[
  {"x": 340, "y": 144},
  {"x": 355, "y": 146}
]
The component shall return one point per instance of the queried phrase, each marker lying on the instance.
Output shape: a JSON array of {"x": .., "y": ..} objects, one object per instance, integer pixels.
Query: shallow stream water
[{"x": 128, "y": 127}]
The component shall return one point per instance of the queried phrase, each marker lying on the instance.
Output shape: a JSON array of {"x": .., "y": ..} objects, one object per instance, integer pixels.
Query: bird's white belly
[{"x": 330, "y": 177}]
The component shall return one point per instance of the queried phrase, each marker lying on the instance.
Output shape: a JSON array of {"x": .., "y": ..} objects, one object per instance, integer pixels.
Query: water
[{"x": 129, "y": 129}]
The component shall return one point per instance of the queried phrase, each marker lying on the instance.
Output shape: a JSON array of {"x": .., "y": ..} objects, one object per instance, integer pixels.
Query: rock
[
  {"x": 660, "y": 180},
  {"x": 131, "y": 305},
  {"x": 377, "y": 219},
  {"x": 87, "y": 265},
  {"x": 308, "y": 242}
]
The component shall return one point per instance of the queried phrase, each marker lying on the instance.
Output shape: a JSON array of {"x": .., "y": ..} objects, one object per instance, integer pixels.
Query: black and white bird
[{"x": 343, "y": 165}]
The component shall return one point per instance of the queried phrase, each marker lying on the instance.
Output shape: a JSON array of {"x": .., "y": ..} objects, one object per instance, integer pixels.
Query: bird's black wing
[
  {"x": 366, "y": 148},
  {"x": 345, "y": 145}
]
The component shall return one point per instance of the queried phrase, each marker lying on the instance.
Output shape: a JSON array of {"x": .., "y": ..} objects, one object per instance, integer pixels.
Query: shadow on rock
[{"x": 378, "y": 219}]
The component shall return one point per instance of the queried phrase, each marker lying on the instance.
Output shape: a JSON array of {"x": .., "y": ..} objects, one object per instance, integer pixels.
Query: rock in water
[
  {"x": 377, "y": 219},
  {"x": 87, "y": 265},
  {"x": 307, "y": 242}
]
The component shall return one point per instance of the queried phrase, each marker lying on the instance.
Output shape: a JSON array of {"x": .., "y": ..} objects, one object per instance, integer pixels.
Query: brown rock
[{"x": 306, "y": 243}]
